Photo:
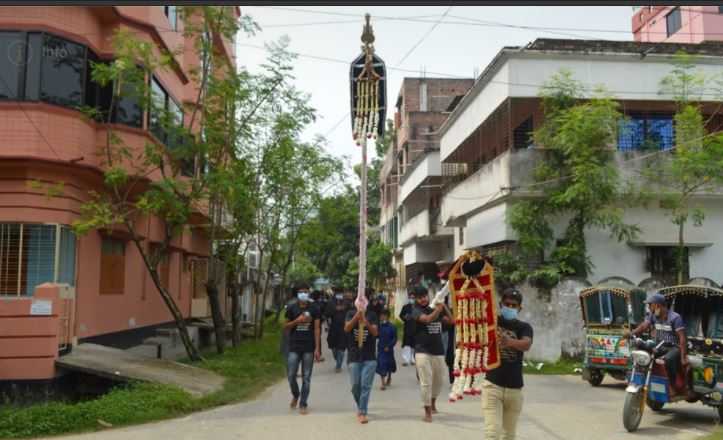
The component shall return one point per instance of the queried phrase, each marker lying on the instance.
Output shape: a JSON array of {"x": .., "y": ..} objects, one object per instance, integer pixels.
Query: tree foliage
[
  {"x": 577, "y": 179},
  {"x": 694, "y": 164}
]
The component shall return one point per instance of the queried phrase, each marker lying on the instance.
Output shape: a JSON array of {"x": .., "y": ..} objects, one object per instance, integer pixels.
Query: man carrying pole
[{"x": 368, "y": 97}]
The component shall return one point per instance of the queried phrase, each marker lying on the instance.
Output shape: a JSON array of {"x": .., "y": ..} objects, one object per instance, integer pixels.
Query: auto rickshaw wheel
[
  {"x": 720, "y": 412},
  {"x": 654, "y": 404},
  {"x": 596, "y": 377}
]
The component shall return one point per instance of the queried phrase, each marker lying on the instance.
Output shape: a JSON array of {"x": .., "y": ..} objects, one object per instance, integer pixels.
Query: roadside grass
[
  {"x": 556, "y": 368},
  {"x": 248, "y": 369},
  {"x": 716, "y": 435}
]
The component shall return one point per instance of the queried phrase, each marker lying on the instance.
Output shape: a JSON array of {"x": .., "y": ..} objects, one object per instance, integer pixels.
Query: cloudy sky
[{"x": 442, "y": 41}]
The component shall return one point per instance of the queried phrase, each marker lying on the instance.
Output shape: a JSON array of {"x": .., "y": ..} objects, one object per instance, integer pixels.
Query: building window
[
  {"x": 166, "y": 115},
  {"x": 127, "y": 108},
  {"x": 12, "y": 53},
  {"x": 112, "y": 266},
  {"x": 199, "y": 276},
  {"x": 62, "y": 72},
  {"x": 30, "y": 255},
  {"x": 672, "y": 21},
  {"x": 57, "y": 71},
  {"x": 661, "y": 262},
  {"x": 645, "y": 132},
  {"x": 170, "y": 12},
  {"x": 522, "y": 134}
]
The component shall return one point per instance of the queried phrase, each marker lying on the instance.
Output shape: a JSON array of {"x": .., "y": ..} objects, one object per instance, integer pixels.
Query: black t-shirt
[
  {"x": 509, "y": 373},
  {"x": 428, "y": 338},
  {"x": 368, "y": 351},
  {"x": 337, "y": 316},
  {"x": 301, "y": 337}
]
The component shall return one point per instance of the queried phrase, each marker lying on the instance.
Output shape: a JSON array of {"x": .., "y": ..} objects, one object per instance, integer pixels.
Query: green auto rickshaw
[{"x": 608, "y": 312}]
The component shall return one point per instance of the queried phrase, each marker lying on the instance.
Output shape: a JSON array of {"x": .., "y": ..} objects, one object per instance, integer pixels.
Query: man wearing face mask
[
  {"x": 336, "y": 312},
  {"x": 669, "y": 329},
  {"x": 502, "y": 388},
  {"x": 304, "y": 324}
]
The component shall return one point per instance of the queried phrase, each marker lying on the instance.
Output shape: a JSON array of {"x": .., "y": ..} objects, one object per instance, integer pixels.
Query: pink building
[
  {"x": 100, "y": 288},
  {"x": 678, "y": 24}
]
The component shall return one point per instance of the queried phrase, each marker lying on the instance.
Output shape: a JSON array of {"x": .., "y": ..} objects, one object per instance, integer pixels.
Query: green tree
[
  {"x": 331, "y": 238},
  {"x": 155, "y": 180},
  {"x": 577, "y": 178},
  {"x": 695, "y": 162}
]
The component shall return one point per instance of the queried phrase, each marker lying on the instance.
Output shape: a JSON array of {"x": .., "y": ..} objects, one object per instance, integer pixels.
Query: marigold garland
[{"x": 472, "y": 303}]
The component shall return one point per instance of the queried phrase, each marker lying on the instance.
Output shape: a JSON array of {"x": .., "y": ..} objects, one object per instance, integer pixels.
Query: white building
[{"x": 487, "y": 158}]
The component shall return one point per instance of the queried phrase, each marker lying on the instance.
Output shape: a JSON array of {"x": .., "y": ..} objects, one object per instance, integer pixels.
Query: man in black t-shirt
[
  {"x": 303, "y": 321},
  {"x": 336, "y": 312},
  {"x": 502, "y": 388},
  {"x": 361, "y": 361},
  {"x": 408, "y": 333},
  {"x": 429, "y": 348}
]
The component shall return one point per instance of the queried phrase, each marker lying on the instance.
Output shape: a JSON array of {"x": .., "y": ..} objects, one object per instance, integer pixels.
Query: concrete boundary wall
[{"x": 30, "y": 333}]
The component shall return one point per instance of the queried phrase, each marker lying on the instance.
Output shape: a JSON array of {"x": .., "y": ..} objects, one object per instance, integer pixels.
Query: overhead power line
[
  {"x": 588, "y": 88},
  {"x": 423, "y": 37}
]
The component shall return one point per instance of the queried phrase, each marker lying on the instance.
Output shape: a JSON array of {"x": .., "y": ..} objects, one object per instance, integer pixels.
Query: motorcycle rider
[{"x": 670, "y": 329}]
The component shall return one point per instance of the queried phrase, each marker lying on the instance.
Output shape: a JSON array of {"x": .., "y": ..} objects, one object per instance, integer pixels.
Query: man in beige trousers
[
  {"x": 502, "y": 388},
  {"x": 429, "y": 349}
]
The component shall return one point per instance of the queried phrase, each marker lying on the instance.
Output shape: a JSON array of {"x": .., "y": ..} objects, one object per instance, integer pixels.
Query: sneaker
[
  {"x": 337, "y": 370},
  {"x": 404, "y": 364}
]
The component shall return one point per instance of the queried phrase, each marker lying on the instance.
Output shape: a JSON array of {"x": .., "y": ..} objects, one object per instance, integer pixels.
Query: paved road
[{"x": 556, "y": 407}]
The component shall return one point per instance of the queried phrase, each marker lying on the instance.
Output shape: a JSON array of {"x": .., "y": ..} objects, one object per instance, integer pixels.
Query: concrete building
[
  {"x": 678, "y": 24},
  {"x": 411, "y": 180},
  {"x": 99, "y": 288},
  {"x": 487, "y": 140}
]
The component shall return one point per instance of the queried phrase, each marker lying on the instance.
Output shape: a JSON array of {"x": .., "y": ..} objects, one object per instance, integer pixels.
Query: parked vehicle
[
  {"x": 701, "y": 380},
  {"x": 608, "y": 312}
]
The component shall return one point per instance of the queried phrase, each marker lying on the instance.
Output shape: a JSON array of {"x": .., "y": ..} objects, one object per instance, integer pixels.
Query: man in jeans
[
  {"x": 502, "y": 388},
  {"x": 429, "y": 348},
  {"x": 361, "y": 361},
  {"x": 304, "y": 324}
]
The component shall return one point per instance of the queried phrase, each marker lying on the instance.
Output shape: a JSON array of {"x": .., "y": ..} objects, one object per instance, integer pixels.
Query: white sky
[{"x": 451, "y": 48}]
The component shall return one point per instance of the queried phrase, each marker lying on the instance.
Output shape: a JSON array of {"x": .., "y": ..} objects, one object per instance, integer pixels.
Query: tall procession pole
[{"x": 367, "y": 108}]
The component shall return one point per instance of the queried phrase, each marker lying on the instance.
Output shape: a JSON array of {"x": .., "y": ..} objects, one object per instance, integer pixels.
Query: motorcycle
[{"x": 648, "y": 383}]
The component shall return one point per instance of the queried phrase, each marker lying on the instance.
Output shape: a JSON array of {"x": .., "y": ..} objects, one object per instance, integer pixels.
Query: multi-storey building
[
  {"x": 106, "y": 290},
  {"x": 487, "y": 139},
  {"x": 678, "y": 24},
  {"x": 411, "y": 179}
]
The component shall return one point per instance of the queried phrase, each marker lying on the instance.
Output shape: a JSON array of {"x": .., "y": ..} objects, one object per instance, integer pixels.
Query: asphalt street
[{"x": 556, "y": 407}]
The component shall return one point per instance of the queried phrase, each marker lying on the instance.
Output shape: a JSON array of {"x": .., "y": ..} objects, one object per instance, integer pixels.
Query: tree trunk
[
  {"x": 235, "y": 311},
  {"x": 280, "y": 302},
  {"x": 219, "y": 323},
  {"x": 263, "y": 302},
  {"x": 681, "y": 251},
  {"x": 167, "y": 299}
]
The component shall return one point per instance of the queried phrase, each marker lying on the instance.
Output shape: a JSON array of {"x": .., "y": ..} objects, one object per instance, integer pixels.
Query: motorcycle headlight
[{"x": 641, "y": 357}]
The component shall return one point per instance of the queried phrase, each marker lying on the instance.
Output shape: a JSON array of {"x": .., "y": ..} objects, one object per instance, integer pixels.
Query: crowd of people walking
[{"x": 369, "y": 339}]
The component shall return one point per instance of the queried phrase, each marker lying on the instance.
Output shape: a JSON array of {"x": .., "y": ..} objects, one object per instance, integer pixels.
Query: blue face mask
[
  {"x": 411, "y": 301},
  {"x": 339, "y": 297},
  {"x": 509, "y": 314},
  {"x": 303, "y": 296}
]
